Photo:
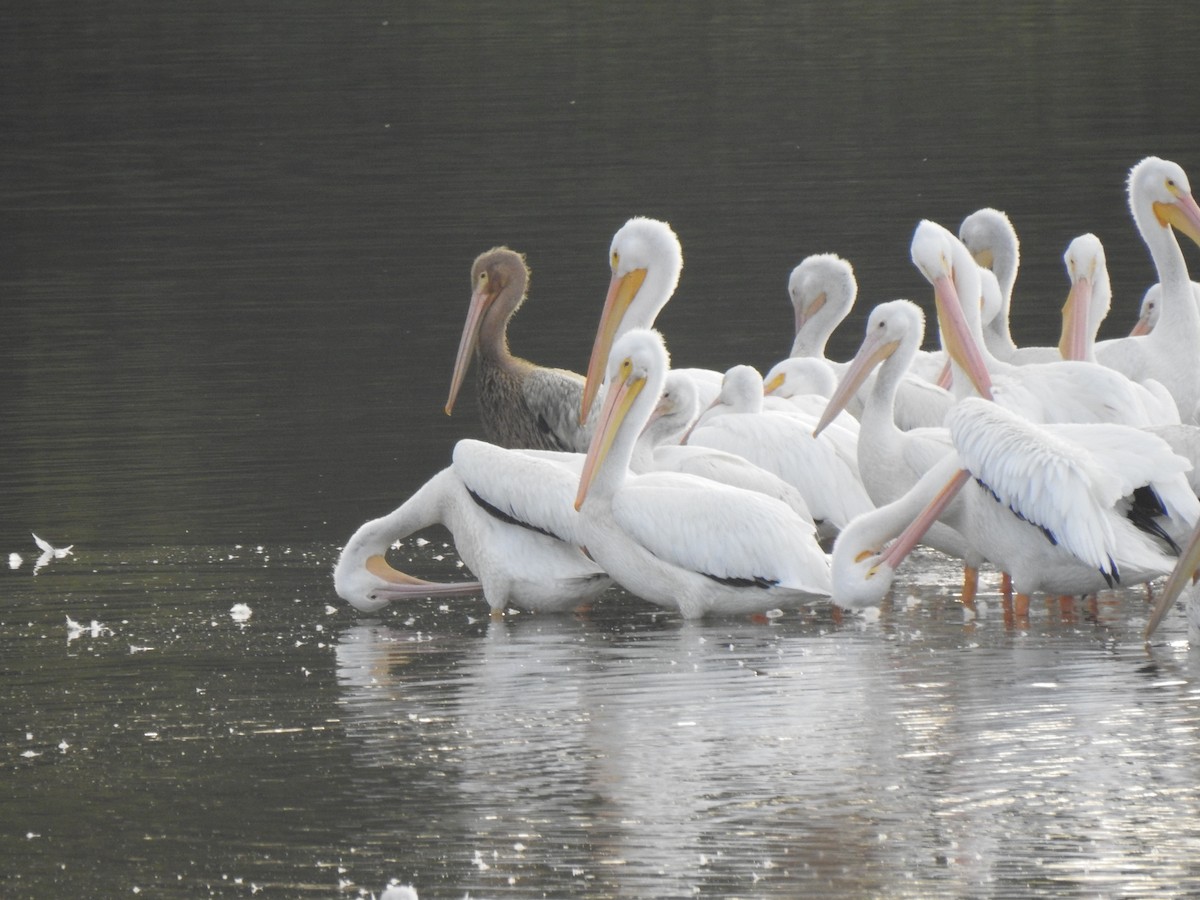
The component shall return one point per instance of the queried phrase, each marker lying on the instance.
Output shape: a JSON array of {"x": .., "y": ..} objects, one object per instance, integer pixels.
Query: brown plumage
[{"x": 521, "y": 404}]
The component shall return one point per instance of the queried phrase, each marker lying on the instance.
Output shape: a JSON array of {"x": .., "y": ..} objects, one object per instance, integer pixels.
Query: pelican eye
[{"x": 616, "y": 260}]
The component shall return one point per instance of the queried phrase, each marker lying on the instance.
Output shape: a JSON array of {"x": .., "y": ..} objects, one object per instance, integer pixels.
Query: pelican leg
[
  {"x": 1006, "y": 590},
  {"x": 1021, "y": 606},
  {"x": 1066, "y": 607},
  {"x": 970, "y": 586}
]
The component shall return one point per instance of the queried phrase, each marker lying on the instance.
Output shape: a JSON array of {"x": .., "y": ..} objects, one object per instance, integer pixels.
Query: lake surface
[{"x": 234, "y": 267}]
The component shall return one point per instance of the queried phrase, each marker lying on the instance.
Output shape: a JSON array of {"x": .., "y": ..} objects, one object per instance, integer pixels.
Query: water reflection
[{"x": 670, "y": 757}]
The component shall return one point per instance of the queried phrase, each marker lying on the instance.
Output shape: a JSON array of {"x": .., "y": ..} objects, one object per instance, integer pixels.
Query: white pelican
[
  {"x": 990, "y": 236},
  {"x": 892, "y": 460},
  {"x": 824, "y": 469},
  {"x": 658, "y": 449},
  {"x": 516, "y": 565},
  {"x": 1148, "y": 310},
  {"x": 823, "y": 290},
  {"x": 1065, "y": 391},
  {"x": 1160, "y": 199},
  {"x": 678, "y": 541},
  {"x": 521, "y": 404},
  {"x": 646, "y": 259},
  {"x": 1065, "y": 509},
  {"x": 1089, "y": 300}
]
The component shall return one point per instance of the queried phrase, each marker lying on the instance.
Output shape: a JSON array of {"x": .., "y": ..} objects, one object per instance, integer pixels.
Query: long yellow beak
[
  {"x": 1183, "y": 215},
  {"x": 621, "y": 291},
  {"x": 957, "y": 338},
  {"x": 617, "y": 402},
  {"x": 911, "y": 536},
  {"x": 1076, "y": 313},
  {"x": 872, "y": 352},
  {"x": 1185, "y": 568},
  {"x": 481, "y": 299}
]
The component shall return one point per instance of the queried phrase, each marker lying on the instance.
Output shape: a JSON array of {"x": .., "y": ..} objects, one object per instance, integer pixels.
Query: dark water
[{"x": 234, "y": 266}]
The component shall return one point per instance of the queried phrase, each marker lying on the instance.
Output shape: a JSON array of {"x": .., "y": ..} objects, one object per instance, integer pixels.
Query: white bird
[
  {"x": 824, "y": 469},
  {"x": 1160, "y": 199},
  {"x": 520, "y": 404},
  {"x": 658, "y": 450},
  {"x": 990, "y": 236},
  {"x": 675, "y": 540},
  {"x": 51, "y": 551},
  {"x": 1065, "y": 509},
  {"x": 823, "y": 290},
  {"x": 515, "y": 564},
  {"x": 890, "y": 459},
  {"x": 1065, "y": 391},
  {"x": 645, "y": 258}
]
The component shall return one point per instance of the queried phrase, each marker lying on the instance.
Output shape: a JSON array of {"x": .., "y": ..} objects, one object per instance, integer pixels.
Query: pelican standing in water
[
  {"x": 678, "y": 541},
  {"x": 1160, "y": 199},
  {"x": 892, "y": 460},
  {"x": 1065, "y": 509},
  {"x": 521, "y": 404},
  {"x": 516, "y": 564}
]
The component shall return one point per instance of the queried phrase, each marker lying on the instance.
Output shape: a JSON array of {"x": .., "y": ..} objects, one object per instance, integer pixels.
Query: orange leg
[
  {"x": 1006, "y": 590},
  {"x": 970, "y": 586},
  {"x": 1021, "y": 605}
]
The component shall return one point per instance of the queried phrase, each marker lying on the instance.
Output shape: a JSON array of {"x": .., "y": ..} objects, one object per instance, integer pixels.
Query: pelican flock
[{"x": 1068, "y": 469}]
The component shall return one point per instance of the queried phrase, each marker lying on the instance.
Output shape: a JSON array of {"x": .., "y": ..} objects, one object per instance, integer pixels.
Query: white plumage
[{"x": 679, "y": 541}]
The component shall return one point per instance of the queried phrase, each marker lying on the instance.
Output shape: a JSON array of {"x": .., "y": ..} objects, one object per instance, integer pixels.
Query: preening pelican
[
  {"x": 521, "y": 404},
  {"x": 515, "y": 565},
  {"x": 678, "y": 541},
  {"x": 823, "y": 290},
  {"x": 891, "y": 460},
  {"x": 1160, "y": 199},
  {"x": 1065, "y": 391},
  {"x": 1065, "y": 509},
  {"x": 990, "y": 236},
  {"x": 824, "y": 469},
  {"x": 646, "y": 259}
]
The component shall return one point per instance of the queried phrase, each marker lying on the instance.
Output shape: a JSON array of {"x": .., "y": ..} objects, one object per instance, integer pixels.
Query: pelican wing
[
  {"x": 534, "y": 488},
  {"x": 1055, "y": 483},
  {"x": 722, "y": 532},
  {"x": 553, "y": 397}
]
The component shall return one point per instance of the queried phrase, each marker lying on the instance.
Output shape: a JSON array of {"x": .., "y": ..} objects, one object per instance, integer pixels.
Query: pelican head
[
  {"x": 1087, "y": 271},
  {"x": 992, "y": 240},
  {"x": 500, "y": 275},
  {"x": 367, "y": 581},
  {"x": 675, "y": 411},
  {"x": 891, "y": 325},
  {"x": 637, "y": 371},
  {"x": 646, "y": 259},
  {"x": 949, "y": 267},
  {"x": 1164, "y": 189},
  {"x": 822, "y": 289},
  {"x": 798, "y": 376}
]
